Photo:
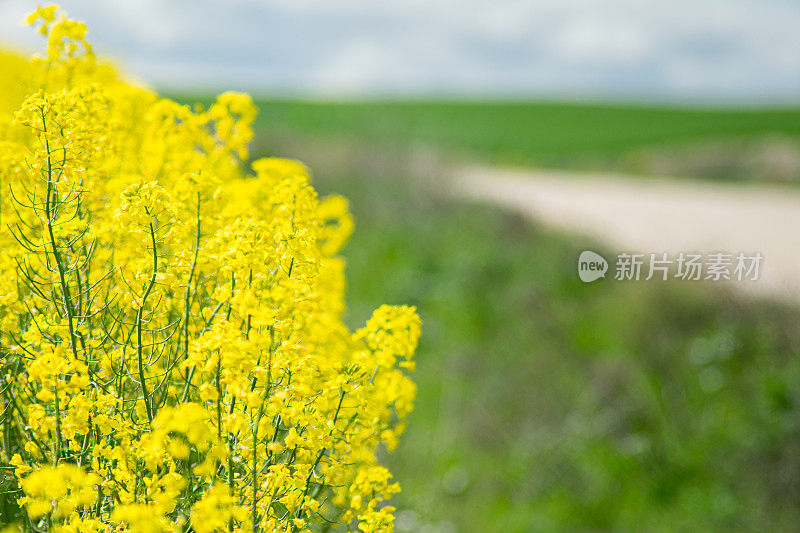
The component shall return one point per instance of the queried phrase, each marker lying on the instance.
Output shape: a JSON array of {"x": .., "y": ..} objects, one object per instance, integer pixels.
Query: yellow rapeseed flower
[{"x": 171, "y": 330}]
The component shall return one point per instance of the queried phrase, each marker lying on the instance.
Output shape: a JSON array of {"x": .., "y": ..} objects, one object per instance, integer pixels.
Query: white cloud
[{"x": 682, "y": 48}]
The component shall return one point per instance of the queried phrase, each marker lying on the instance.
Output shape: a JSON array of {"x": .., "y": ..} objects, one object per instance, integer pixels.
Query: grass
[
  {"x": 549, "y": 405},
  {"x": 557, "y": 134}
]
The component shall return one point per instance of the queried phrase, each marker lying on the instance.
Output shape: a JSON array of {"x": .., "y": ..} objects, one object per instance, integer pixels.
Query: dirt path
[{"x": 632, "y": 214}]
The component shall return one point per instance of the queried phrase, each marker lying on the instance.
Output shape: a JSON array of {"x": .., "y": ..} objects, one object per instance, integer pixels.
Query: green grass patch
[{"x": 549, "y": 405}]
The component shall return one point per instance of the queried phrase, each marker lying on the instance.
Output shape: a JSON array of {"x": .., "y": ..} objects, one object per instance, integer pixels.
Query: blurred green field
[
  {"x": 549, "y": 405},
  {"x": 546, "y": 404},
  {"x": 718, "y": 143}
]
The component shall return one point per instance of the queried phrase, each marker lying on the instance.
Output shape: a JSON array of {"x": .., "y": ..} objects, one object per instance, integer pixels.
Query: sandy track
[{"x": 658, "y": 215}]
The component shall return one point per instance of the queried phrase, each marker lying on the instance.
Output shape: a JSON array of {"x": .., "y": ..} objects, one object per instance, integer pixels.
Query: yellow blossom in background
[{"x": 171, "y": 337}]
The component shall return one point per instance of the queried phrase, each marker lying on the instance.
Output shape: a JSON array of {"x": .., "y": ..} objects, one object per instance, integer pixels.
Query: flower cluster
[{"x": 172, "y": 348}]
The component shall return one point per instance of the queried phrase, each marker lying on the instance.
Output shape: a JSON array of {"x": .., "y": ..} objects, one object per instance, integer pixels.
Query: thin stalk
[{"x": 139, "y": 313}]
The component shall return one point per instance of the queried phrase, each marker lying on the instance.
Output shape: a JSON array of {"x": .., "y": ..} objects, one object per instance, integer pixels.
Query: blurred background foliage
[{"x": 546, "y": 404}]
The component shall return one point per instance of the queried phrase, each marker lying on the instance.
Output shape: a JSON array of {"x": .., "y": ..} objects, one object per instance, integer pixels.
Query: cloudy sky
[{"x": 726, "y": 50}]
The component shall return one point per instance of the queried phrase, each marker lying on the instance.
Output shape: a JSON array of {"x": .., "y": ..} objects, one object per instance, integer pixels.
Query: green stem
[{"x": 139, "y": 313}]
